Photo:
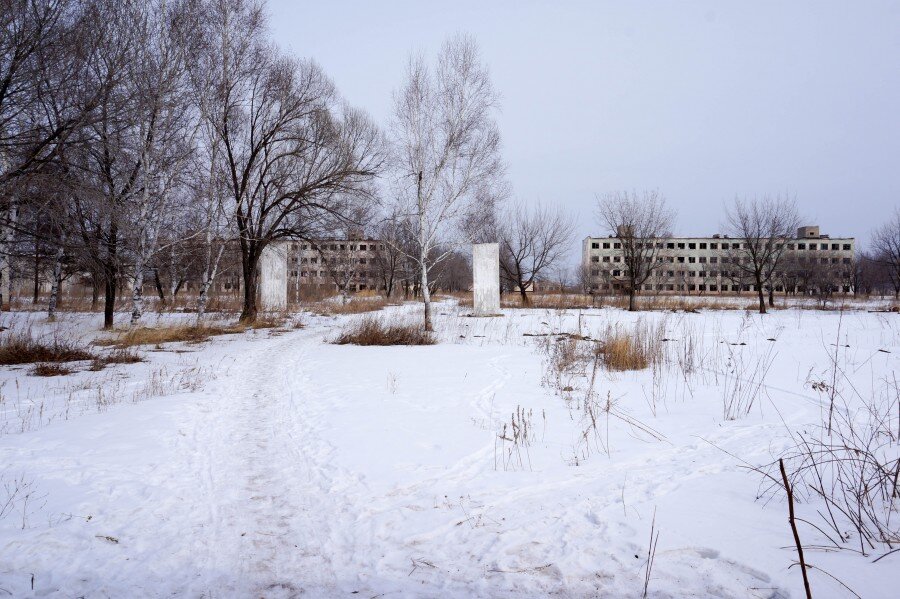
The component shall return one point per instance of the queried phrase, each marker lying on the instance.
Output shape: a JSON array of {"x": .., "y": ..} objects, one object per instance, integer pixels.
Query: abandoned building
[{"x": 810, "y": 262}]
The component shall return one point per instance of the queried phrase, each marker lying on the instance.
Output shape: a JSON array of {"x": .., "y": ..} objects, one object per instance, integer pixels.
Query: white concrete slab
[{"x": 486, "y": 278}]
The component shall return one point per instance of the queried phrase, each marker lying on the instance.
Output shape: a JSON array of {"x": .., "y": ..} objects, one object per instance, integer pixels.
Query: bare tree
[
  {"x": 290, "y": 148},
  {"x": 532, "y": 241},
  {"x": 761, "y": 228},
  {"x": 447, "y": 152},
  {"x": 391, "y": 257},
  {"x": 886, "y": 249},
  {"x": 637, "y": 220}
]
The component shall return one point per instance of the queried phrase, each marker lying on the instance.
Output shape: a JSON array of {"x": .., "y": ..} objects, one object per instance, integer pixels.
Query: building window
[
  {"x": 595, "y": 246},
  {"x": 714, "y": 246},
  {"x": 847, "y": 246}
]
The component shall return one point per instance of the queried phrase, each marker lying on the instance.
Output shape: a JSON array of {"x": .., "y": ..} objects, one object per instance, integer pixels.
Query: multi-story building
[
  {"x": 342, "y": 265},
  {"x": 811, "y": 261}
]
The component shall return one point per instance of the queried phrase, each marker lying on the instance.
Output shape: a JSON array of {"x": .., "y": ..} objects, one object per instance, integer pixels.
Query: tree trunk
[
  {"x": 423, "y": 256},
  {"x": 6, "y": 271},
  {"x": 110, "y": 274},
  {"x": 55, "y": 285},
  {"x": 526, "y": 301},
  {"x": 771, "y": 296},
  {"x": 631, "y": 295},
  {"x": 209, "y": 276},
  {"x": 158, "y": 284},
  {"x": 761, "y": 294},
  {"x": 36, "y": 291},
  {"x": 250, "y": 310}
]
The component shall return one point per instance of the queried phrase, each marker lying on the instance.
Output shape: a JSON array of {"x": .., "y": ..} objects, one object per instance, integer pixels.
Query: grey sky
[{"x": 704, "y": 100}]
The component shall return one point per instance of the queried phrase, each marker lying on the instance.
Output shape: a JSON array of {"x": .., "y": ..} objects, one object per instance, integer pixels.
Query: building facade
[
  {"x": 810, "y": 262},
  {"x": 342, "y": 265}
]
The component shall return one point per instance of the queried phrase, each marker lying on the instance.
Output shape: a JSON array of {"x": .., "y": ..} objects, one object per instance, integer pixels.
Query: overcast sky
[{"x": 704, "y": 100}]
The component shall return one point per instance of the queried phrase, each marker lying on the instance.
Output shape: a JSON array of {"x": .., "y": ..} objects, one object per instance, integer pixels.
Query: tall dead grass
[
  {"x": 24, "y": 348},
  {"x": 371, "y": 330}
]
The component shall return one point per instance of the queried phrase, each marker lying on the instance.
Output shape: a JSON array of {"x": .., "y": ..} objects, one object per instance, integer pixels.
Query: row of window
[
  {"x": 702, "y": 287},
  {"x": 324, "y": 260},
  {"x": 323, "y": 273},
  {"x": 683, "y": 273},
  {"x": 338, "y": 246},
  {"x": 717, "y": 260},
  {"x": 703, "y": 245}
]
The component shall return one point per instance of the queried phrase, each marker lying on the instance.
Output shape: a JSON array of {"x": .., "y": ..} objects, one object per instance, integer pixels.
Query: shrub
[
  {"x": 632, "y": 350},
  {"x": 371, "y": 330},
  {"x": 52, "y": 369},
  {"x": 23, "y": 348}
]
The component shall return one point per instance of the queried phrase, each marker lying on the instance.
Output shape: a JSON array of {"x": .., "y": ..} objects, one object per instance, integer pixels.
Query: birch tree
[
  {"x": 447, "y": 161},
  {"x": 165, "y": 127}
]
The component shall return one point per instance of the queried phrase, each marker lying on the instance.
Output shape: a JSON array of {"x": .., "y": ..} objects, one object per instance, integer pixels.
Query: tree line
[{"x": 142, "y": 141}]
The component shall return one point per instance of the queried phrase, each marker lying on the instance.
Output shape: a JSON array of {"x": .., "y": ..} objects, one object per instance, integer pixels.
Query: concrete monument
[
  {"x": 486, "y": 278},
  {"x": 273, "y": 277}
]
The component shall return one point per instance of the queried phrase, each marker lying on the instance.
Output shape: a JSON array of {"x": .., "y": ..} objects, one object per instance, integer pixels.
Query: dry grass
[
  {"x": 622, "y": 353},
  {"x": 119, "y": 356},
  {"x": 633, "y": 349},
  {"x": 23, "y": 348},
  {"x": 51, "y": 369},
  {"x": 355, "y": 305},
  {"x": 371, "y": 330}
]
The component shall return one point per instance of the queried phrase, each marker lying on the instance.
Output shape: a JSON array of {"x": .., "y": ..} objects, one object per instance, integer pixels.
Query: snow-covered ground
[{"x": 273, "y": 463}]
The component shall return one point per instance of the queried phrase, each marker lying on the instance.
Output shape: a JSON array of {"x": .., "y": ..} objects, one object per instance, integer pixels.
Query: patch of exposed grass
[
  {"x": 119, "y": 356},
  {"x": 633, "y": 349},
  {"x": 50, "y": 369},
  {"x": 23, "y": 348},
  {"x": 371, "y": 330},
  {"x": 172, "y": 334}
]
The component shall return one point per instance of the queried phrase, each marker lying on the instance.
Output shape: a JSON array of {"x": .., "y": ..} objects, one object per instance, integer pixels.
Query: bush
[
  {"x": 371, "y": 330},
  {"x": 22, "y": 348},
  {"x": 50, "y": 370}
]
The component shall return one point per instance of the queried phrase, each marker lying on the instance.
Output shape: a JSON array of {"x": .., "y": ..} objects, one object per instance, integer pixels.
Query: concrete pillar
[
  {"x": 273, "y": 277},
  {"x": 486, "y": 278}
]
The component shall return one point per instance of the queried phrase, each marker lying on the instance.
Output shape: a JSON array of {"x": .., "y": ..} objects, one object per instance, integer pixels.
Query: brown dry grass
[
  {"x": 633, "y": 349},
  {"x": 355, "y": 305},
  {"x": 52, "y": 369},
  {"x": 371, "y": 330},
  {"x": 23, "y": 348}
]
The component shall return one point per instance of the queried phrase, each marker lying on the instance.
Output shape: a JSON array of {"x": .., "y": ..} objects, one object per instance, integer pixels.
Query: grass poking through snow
[{"x": 371, "y": 330}]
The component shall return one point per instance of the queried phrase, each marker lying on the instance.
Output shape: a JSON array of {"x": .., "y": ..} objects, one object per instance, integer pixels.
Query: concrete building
[
  {"x": 346, "y": 265},
  {"x": 707, "y": 265}
]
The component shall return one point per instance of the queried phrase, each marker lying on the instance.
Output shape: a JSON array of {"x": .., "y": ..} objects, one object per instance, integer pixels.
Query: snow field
[{"x": 288, "y": 466}]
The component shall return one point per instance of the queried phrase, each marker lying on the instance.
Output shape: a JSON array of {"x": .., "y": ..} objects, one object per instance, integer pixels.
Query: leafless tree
[
  {"x": 532, "y": 241},
  {"x": 446, "y": 152},
  {"x": 762, "y": 228},
  {"x": 637, "y": 220},
  {"x": 886, "y": 249},
  {"x": 290, "y": 148},
  {"x": 392, "y": 257}
]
